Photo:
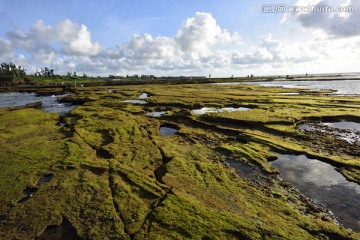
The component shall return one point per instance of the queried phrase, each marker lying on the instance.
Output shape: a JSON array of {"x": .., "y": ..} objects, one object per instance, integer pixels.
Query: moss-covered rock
[{"x": 114, "y": 176}]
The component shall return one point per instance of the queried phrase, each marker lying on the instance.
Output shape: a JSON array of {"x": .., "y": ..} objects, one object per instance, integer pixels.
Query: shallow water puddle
[
  {"x": 155, "y": 114},
  {"x": 50, "y": 103},
  {"x": 168, "y": 129},
  {"x": 348, "y": 131},
  {"x": 28, "y": 191},
  {"x": 320, "y": 182},
  {"x": 135, "y": 101},
  {"x": 344, "y": 125},
  {"x": 218, "y": 110},
  {"x": 24, "y": 199},
  {"x": 45, "y": 178},
  {"x": 343, "y": 87},
  {"x": 290, "y": 93},
  {"x": 144, "y": 96}
]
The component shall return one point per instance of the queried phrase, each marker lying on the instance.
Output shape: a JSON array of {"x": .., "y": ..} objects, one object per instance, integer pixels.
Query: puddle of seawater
[
  {"x": 168, "y": 130},
  {"x": 50, "y": 103},
  {"x": 24, "y": 199},
  {"x": 342, "y": 86},
  {"x": 45, "y": 178},
  {"x": 135, "y": 101},
  {"x": 290, "y": 93},
  {"x": 60, "y": 108},
  {"x": 28, "y": 191},
  {"x": 144, "y": 96},
  {"x": 218, "y": 110},
  {"x": 320, "y": 182},
  {"x": 155, "y": 114},
  {"x": 343, "y": 125},
  {"x": 348, "y": 131}
]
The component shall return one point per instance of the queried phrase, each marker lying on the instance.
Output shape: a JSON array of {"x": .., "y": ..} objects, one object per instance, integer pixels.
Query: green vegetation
[
  {"x": 12, "y": 75},
  {"x": 117, "y": 177}
]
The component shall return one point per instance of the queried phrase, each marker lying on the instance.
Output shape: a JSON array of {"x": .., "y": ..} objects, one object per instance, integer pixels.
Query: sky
[{"x": 181, "y": 37}]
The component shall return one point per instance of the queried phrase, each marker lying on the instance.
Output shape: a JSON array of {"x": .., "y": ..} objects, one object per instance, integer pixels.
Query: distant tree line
[
  {"x": 45, "y": 72},
  {"x": 135, "y": 76},
  {"x": 11, "y": 70},
  {"x": 11, "y": 74}
]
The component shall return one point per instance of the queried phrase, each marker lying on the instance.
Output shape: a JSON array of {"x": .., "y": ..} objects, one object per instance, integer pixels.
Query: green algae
[{"x": 116, "y": 177}]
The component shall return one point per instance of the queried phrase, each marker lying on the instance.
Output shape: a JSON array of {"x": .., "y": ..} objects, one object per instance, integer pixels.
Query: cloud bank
[{"x": 199, "y": 47}]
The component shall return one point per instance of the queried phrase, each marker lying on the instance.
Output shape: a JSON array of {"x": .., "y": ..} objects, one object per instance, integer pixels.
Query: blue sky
[{"x": 178, "y": 37}]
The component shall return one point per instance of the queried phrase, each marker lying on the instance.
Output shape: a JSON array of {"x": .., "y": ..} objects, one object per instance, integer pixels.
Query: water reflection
[
  {"x": 155, "y": 114},
  {"x": 341, "y": 86},
  {"x": 217, "y": 110},
  {"x": 44, "y": 179},
  {"x": 323, "y": 184},
  {"x": 168, "y": 129},
  {"x": 135, "y": 101},
  {"x": 144, "y": 96},
  {"x": 344, "y": 125},
  {"x": 50, "y": 103},
  {"x": 290, "y": 93}
]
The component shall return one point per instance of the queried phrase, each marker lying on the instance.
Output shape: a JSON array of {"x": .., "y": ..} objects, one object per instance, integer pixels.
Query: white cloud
[
  {"x": 39, "y": 41},
  {"x": 143, "y": 46},
  {"x": 5, "y": 48},
  {"x": 199, "y": 33},
  {"x": 270, "y": 50},
  {"x": 198, "y": 43},
  {"x": 76, "y": 39},
  {"x": 199, "y": 47}
]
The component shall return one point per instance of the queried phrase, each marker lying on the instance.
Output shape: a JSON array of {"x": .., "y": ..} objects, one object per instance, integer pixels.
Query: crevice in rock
[
  {"x": 157, "y": 203},
  {"x": 116, "y": 206},
  {"x": 82, "y": 138},
  {"x": 103, "y": 153},
  {"x": 63, "y": 231},
  {"x": 100, "y": 151},
  {"x": 161, "y": 170},
  {"x": 159, "y": 173}
]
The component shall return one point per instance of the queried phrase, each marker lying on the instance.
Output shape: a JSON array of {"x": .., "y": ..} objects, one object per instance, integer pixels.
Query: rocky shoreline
[{"x": 116, "y": 176}]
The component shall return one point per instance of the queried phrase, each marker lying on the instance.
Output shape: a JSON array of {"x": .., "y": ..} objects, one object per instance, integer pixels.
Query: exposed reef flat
[{"x": 107, "y": 172}]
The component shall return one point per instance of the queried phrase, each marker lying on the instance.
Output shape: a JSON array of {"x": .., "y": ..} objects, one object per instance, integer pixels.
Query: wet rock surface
[
  {"x": 332, "y": 138},
  {"x": 252, "y": 173}
]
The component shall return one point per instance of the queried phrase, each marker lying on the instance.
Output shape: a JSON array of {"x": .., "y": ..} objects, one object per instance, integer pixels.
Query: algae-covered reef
[{"x": 107, "y": 172}]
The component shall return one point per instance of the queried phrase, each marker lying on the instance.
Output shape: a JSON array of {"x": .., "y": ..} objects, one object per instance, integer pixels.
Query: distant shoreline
[
  {"x": 317, "y": 79},
  {"x": 79, "y": 84}
]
